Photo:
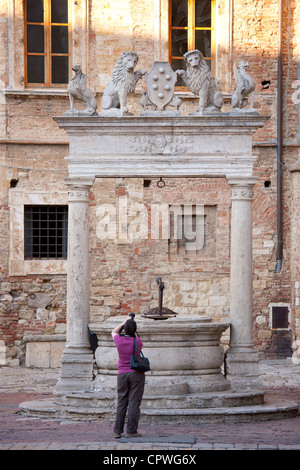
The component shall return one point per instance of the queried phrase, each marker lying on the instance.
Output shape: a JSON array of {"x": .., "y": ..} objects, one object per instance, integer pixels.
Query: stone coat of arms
[{"x": 160, "y": 88}]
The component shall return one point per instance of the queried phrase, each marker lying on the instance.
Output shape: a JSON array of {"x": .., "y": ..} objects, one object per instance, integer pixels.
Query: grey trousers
[{"x": 130, "y": 393}]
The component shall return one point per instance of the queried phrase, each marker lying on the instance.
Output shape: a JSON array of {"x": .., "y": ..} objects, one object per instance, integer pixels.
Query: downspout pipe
[{"x": 279, "y": 249}]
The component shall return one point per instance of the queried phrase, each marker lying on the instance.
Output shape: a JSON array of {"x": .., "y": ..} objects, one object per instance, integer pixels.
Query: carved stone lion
[
  {"x": 122, "y": 83},
  {"x": 200, "y": 81},
  {"x": 77, "y": 88}
]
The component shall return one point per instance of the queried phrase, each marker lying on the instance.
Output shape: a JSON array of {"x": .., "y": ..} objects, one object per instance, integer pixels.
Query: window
[
  {"x": 280, "y": 316},
  {"x": 191, "y": 26},
  {"x": 47, "y": 42},
  {"x": 46, "y": 232}
]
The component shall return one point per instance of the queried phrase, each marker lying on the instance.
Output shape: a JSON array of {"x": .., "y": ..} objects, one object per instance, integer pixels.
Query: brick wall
[{"x": 123, "y": 274}]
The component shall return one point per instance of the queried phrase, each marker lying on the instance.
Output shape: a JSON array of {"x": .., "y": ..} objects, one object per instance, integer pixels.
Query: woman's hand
[{"x": 118, "y": 328}]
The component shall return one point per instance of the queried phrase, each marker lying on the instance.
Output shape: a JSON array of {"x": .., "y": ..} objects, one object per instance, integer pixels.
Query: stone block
[
  {"x": 5, "y": 286},
  {"x": 2, "y": 353},
  {"x": 38, "y": 354},
  {"x": 264, "y": 334},
  {"x": 218, "y": 300},
  {"x": 190, "y": 299},
  {"x": 44, "y": 351},
  {"x": 261, "y": 320},
  {"x": 39, "y": 300},
  {"x": 56, "y": 351}
]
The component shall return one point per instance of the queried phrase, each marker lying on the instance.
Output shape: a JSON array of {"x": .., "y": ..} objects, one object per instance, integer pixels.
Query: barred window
[
  {"x": 47, "y": 42},
  {"x": 191, "y": 26},
  {"x": 46, "y": 232}
]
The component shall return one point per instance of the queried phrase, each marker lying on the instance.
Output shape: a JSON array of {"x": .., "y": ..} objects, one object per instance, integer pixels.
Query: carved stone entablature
[{"x": 161, "y": 144}]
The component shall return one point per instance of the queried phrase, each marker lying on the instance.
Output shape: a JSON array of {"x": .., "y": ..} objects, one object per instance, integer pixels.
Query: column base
[
  {"x": 76, "y": 370},
  {"x": 242, "y": 369}
]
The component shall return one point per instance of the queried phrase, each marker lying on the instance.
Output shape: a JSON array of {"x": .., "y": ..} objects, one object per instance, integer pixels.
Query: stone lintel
[{"x": 184, "y": 146}]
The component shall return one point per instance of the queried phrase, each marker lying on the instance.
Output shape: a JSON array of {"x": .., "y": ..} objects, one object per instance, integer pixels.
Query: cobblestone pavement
[{"x": 17, "y": 432}]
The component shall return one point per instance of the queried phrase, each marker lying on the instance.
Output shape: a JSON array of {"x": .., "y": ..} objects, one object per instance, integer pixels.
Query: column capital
[
  {"x": 79, "y": 189},
  {"x": 241, "y": 187}
]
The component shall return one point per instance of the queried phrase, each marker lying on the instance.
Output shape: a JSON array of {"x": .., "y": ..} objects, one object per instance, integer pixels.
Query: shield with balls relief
[{"x": 160, "y": 84}]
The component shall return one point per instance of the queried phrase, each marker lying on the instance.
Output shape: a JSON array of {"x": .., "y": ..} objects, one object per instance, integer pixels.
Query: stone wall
[{"x": 123, "y": 272}]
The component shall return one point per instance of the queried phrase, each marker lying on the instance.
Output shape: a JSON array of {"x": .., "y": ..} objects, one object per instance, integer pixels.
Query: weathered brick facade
[{"x": 32, "y": 151}]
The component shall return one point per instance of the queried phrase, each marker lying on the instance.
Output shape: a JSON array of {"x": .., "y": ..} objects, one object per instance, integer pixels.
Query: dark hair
[{"x": 130, "y": 327}]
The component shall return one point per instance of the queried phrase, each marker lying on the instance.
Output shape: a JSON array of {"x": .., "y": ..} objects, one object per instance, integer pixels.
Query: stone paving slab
[
  {"x": 171, "y": 439},
  {"x": 112, "y": 446},
  {"x": 18, "y": 384}
]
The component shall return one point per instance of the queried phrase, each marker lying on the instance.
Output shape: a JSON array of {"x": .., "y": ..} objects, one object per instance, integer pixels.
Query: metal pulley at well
[{"x": 160, "y": 312}]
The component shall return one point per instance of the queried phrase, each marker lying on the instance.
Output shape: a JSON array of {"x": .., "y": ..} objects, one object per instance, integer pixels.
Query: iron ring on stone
[{"x": 161, "y": 183}]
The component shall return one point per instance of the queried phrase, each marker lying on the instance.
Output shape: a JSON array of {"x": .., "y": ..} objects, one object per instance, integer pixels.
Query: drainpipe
[{"x": 279, "y": 143}]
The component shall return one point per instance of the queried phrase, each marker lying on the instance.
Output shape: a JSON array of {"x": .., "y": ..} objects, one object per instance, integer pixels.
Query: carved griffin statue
[
  {"x": 77, "y": 88},
  {"x": 244, "y": 86},
  {"x": 122, "y": 83},
  {"x": 200, "y": 81}
]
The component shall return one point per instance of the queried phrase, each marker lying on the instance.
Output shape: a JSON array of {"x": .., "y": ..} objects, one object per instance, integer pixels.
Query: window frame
[
  {"x": 18, "y": 265},
  {"x": 191, "y": 28},
  {"x": 271, "y": 317},
  {"x": 47, "y": 24}
]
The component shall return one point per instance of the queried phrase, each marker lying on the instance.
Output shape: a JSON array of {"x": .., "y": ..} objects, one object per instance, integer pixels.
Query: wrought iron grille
[{"x": 46, "y": 232}]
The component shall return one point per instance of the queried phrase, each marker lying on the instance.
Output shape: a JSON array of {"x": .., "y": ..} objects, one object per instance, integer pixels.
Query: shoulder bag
[{"x": 139, "y": 362}]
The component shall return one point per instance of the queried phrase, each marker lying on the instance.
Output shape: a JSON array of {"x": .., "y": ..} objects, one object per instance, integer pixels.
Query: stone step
[
  {"x": 272, "y": 409},
  {"x": 193, "y": 400}
]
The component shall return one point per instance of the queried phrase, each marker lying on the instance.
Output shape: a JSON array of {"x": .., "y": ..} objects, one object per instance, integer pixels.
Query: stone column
[
  {"x": 242, "y": 359},
  {"x": 77, "y": 359}
]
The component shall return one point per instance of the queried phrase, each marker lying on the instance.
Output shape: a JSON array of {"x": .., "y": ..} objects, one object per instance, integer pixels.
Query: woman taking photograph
[{"x": 130, "y": 382}]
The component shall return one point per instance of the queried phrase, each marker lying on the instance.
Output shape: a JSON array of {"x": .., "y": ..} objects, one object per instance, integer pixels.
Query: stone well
[
  {"x": 186, "y": 384},
  {"x": 184, "y": 352}
]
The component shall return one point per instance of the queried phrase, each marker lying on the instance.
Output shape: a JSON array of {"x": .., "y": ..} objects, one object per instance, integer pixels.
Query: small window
[
  {"x": 280, "y": 317},
  {"x": 46, "y": 232},
  {"x": 147, "y": 183},
  {"x": 191, "y": 26},
  {"x": 47, "y": 42}
]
